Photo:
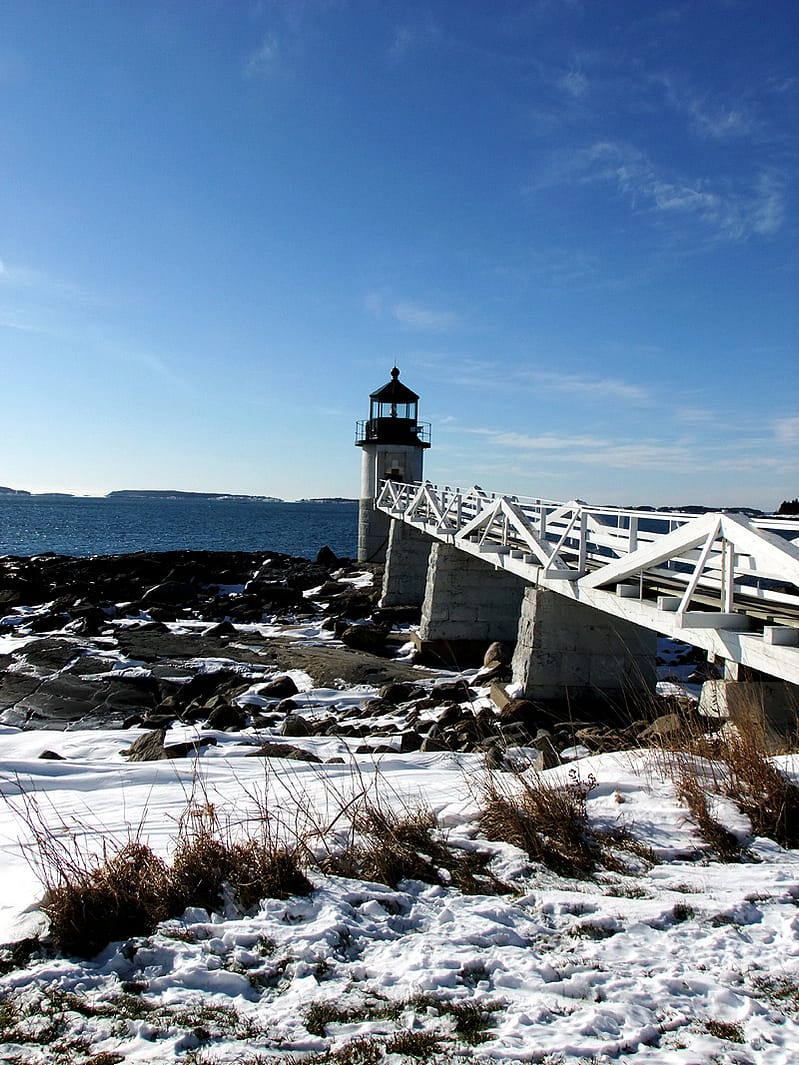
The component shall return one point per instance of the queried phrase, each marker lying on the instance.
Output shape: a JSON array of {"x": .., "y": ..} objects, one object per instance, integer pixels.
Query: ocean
[{"x": 30, "y": 525}]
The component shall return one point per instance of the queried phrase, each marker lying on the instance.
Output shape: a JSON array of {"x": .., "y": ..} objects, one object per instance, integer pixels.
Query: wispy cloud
[
  {"x": 417, "y": 317},
  {"x": 410, "y": 36},
  {"x": 786, "y": 430},
  {"x": 575, "y": 84},
  {"x": 708, "y": 118},
  {"x": 265, "y": 60},
  {"x": 608, "y": 387},
  {"x": 410, "y": 314},
  {"x": 731, "y": 208},
  {"x": 668, "y": 456}
]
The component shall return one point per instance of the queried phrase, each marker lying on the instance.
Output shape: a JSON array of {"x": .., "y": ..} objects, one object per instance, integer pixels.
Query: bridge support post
[
  {"x": 766, "y": 709},
  {"x": 407, "y": 558},
  {"x": 567, "y": 650},
  {"x": 468, "y": 604}
]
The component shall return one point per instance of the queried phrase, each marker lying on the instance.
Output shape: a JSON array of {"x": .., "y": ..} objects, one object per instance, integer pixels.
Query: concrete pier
[
  {"x": 407, "y": 558},
  {"x": 766, "y": 709},
  {"x": 567, "y": 650},
  {"x": 467, "y": 605}
]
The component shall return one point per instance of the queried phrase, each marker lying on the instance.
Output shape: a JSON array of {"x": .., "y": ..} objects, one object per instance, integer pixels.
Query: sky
[{"x": 571, "y": 225}]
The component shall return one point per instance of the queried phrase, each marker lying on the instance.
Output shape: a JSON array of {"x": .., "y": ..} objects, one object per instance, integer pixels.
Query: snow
[
  {"x": 676, "y": 959},
  {"x": 646, "y": 966}
]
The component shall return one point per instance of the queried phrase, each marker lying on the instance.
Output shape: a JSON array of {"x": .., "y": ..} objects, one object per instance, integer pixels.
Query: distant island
[
  {"x": 168, "y": 493},
  {"x": 172, "y": 493},
  {"x": 327, "y": 499}
]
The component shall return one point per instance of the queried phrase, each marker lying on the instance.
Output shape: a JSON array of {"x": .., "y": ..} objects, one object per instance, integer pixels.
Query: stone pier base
[
  {"x": 468, "y": 604},
  {"x": 566, "y": 650},
  {"x": 407, "y": 558},
  {"x": 767, "y": 710}
]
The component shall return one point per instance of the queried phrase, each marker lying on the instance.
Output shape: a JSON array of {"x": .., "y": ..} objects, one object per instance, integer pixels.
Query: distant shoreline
[{"x": 162, "y": 494}]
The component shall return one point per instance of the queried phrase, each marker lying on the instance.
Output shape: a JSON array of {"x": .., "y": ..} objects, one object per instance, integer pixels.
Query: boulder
[
  {"x": 170, "y": 593},
  {"x": 284, "y": 750},
  {"x": 225, "y": 716},
  {"x": 295, "y": 726},
  {"x": 282, "y": 687},
  {"x": 521, "y": 711},
  {"x": 497, "y": 654},
  {"x": 371, "y": 638}
]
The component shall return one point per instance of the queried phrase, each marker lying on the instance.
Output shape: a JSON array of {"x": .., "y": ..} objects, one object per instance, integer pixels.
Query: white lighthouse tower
[{"x": 393, "y": 444}]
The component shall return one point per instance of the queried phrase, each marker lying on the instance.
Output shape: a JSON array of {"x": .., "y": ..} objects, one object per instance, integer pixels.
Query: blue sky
[{"x": 573, "y": 225}]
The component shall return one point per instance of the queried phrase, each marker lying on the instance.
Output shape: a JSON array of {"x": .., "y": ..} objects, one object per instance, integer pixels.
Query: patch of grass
[
  {"x": 122, "y": 897},
  {"x": 780, "y": 991},
  {"x": 471, "y": 1019},
  {"x": 547, "y": 821},
  {"x": 682, "y": 911},
  {"x": 93, "y": 901},
  {"x": 207, "y": 1021},
  {"x": 735, "y": 763},
  {"x": 415, "y": 1044},
  {"x": 692, "y": 792},
  {"x": 592, "y": 930},
  {"x": 205, "y": 862},
  {"x": 388, "y": 846},
  {"x": 729, "y": 1030}
]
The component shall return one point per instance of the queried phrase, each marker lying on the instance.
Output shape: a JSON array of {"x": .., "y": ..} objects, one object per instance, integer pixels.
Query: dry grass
[
  {"x": 549, "y": 822},
  {"x": 94, "y": 900},
  {"x": 125, "y": 895},
  {"x": 388, "y": 846},
  {"x": 207, "y": 862},
  {"x": 734, "y": 762}
]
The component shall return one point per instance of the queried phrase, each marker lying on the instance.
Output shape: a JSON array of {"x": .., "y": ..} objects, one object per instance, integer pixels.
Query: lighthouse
[{"x": 393, "y": 443}]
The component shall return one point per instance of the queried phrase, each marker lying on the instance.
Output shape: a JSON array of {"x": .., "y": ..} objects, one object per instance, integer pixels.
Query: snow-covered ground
[
  {"x": 683, "y": 960},
  {"x": 677, "y": 959}
]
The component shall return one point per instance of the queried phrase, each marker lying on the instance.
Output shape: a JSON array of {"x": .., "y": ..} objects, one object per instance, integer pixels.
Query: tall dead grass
[
  {"x": 548, "y": 821},
  {"x": 734, "y": 762}
]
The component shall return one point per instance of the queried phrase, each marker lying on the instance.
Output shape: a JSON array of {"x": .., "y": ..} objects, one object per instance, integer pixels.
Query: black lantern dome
[{"x": 393, "y": 417}]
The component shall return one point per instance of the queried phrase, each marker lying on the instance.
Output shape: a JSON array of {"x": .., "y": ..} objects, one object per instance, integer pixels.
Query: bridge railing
[{"x": 726, "y": 562}]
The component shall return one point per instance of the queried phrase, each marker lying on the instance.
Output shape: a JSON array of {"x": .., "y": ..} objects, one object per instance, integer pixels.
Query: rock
[
  {"x": 66, "y": 698},
  {"x": 147, "y": 748},
  {"x": 355, "y": 606},
  {"x": 281, "y": 687},
  {"x": 284, "y": 750},
  {"x": 497, "y": 654},
  {"x": 153, "y": 721},
  {"x": 47, "y": 623},
  {"x": 224, "y": 628},
  {"x": 150, "y": 747},
  {"x": 170, "y": 593},
  {"x": 521, "y": 711},
  {"x": 397, "y": 692},
  {"x": 225, "y": 716},
  {"x": 327, "y": 557},
  {"x": 371, "y": 638},
  {"x": 451, "y": 691},
  {"x": 410, "y": 741},
  {"x": 295, "y": 726},
  {"x": 274, "y": 594},
  {"x": 431, "y": 743},
  {"x": 496, "y": 671},
  {"x": 330, "y": 589},
  {"x": 181, "y": 750},
  {"x": 665, "y": 727},
  {"x": 52, "y": 756}
]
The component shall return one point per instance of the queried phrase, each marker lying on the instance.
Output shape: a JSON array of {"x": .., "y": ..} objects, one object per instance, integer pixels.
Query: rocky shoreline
[{"x": 205, "y": 639}]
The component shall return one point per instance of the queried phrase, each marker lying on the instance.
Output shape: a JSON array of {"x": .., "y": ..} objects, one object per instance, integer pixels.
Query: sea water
[{"x": 33, "y": 525}]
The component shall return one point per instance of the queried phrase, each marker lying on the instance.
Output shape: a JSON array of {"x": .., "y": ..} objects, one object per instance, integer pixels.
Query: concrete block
[{"x": 770, "y": 708}]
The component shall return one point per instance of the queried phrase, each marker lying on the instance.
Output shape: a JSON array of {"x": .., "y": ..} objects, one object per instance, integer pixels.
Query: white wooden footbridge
[{"x": 724, "y": 582}]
